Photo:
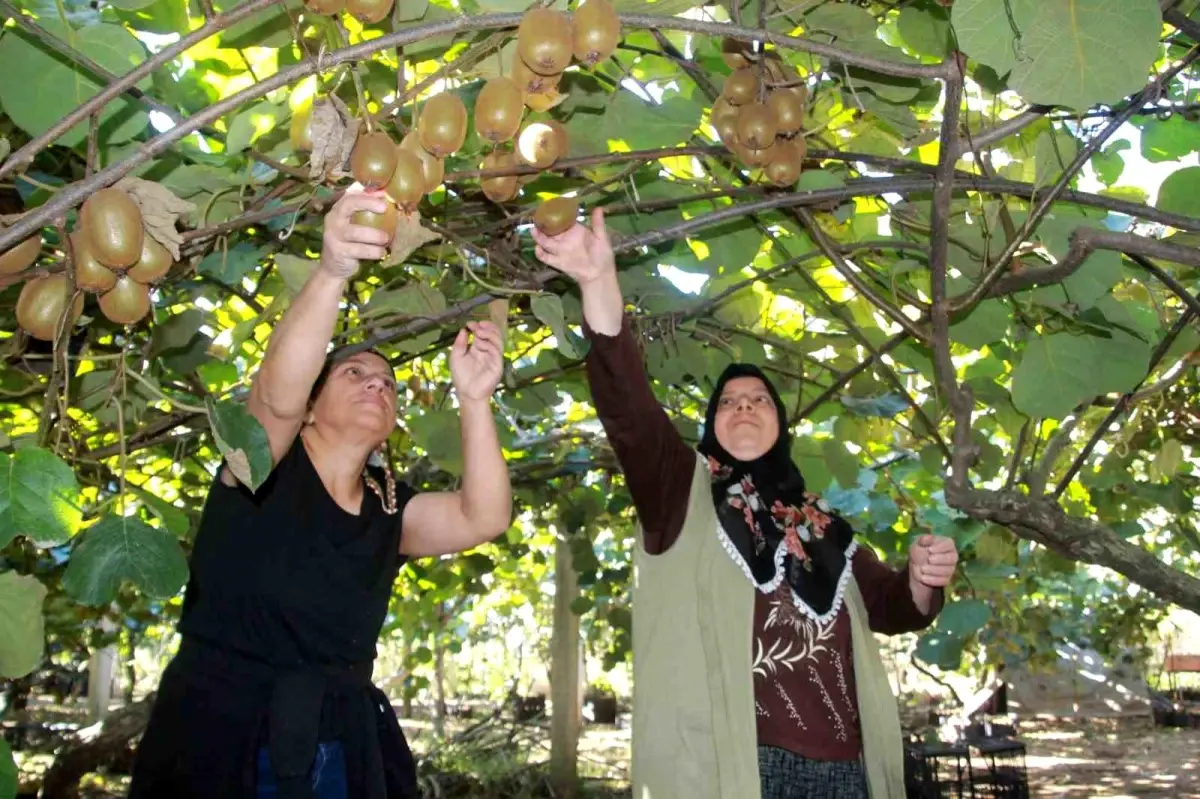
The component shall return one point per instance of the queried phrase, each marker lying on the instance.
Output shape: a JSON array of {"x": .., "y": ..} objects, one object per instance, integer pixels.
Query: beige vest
[{"x": 694, "y": 731}]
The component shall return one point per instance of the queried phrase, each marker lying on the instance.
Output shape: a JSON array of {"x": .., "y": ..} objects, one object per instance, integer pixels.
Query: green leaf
[
  {"x": 40, "y": 88},
  {"x": 249, "y": 125},
  {"x": 817, "y": 179},
  {"x": 271, "y": 27},
  {"x": 1060, "y": 371},
  {"x": 987, "y": 323},
  {"x": 8, "y": 772},
  {"x": 964, "y": 617},
  {"x": 1180, "y": 192},
  {"x": 842, "y": 20},
  {"x": 1077, "y": 53},
  {"x": 177, "y": 331},
  {"x": 438, "y": 433},
  {"x": 883, "y": 407},
  {"x": 120, "y": 549},
  {"x": 941, "y": 650},
  {"x": 229, "y": 267},
  {"x": 412, "y": 301},
  {"x": 548, "y": 308},
  {"x": 666, "y": 8},
  {"x": 925, "y": 31},
  {"x": 646, "y": 126},
  {"x": 1054, "y": 151},
  {"x": 174, "y": 519},
  {"x": 295, "y": 271},
  {"x": 1168, "y": 461},
  {"x": 581, "y": 605},
  {"x": 1170, "y": 140},
  {"x": 1109, "y": 164},
  {"x": 131, "y": 5},
  {"x": 22, "y": 639},
  {"x": 39, "y": 497},
  {"x": 242, "y": 441}
]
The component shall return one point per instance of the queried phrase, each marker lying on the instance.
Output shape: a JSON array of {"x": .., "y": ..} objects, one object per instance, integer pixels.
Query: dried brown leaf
[
  {"x": 334, "y": 131},
  {"x": 410, "y": 235},
  {"x": 239, "y": 465},
  {"x": 161, "y": 209}
]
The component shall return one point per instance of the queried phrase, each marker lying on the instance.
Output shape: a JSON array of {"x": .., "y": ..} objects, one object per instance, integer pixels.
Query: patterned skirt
[{"x": 787, "y": 775}]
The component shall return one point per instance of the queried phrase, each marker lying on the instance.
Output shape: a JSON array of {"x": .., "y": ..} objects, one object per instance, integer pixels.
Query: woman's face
[
  {"x": 358, "y": 399},
  {"x": 747, "y": 423}
]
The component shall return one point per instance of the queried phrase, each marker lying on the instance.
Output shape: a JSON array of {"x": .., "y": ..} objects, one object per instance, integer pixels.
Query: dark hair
[{"x": 332, "y": 360}]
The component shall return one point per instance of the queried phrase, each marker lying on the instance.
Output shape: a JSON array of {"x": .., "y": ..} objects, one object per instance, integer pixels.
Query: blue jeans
[{"x": 328, "y": 773}]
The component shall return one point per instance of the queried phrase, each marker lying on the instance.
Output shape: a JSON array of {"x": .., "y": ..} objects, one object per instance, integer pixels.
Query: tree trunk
[
  {"x": 439, "y": 675},
  {"x": 564, "y": 677},
  {"x": 81, "y": 757}
]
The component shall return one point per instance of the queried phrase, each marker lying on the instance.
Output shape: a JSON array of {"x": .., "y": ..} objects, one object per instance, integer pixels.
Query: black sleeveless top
[{"x": 284, "y": 605}]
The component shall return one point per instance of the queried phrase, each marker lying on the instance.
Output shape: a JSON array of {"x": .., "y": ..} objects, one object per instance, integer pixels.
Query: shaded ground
[{"x": 1069, "y": 760}]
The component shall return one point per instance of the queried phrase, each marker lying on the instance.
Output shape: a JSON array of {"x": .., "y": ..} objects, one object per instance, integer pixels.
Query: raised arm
[
  {"x": 657, "y": 463},
  {"x": 297, "y": 348},
  {"x": 910, "y": 599},
  {"x": 439, "y": 523}
]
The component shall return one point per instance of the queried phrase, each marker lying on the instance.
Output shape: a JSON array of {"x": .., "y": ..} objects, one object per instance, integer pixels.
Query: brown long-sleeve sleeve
[
  {"x": 888, "y": 596},
  {"x": 657, "y": 463}
]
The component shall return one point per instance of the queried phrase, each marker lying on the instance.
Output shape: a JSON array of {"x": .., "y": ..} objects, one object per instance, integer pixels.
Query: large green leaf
[
  {"x": 940, "y": 649},
  {"x": 964, "y": 617},
  {"x": 1061, "y": 370},
  {"x": 925, "y": 30},
  {"x": 1180, "y": 192},
  {"x": 1075, "y": 53},
  {"x": 413, "y": 301},
  {"x": 643, "y": 125},
  {"x": 22, "y": 639},
  {"x": 8, "y": 772},
  {"x": 1169, "y": 140},
  {"x": 242, "y": 441},
  {"x": 438, "y": 433},
  {"x": 120, "y": 549},
  {"x": 548, "y": 308},
  {"x": 39, "y": 88},
  {"x": 231, "y": 265},
  {"x": 39, "y": 497}
]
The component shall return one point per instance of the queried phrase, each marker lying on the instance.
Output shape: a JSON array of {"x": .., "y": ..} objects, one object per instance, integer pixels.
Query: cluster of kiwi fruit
[
  {"x": 408, "y": 171},
  {"x": 760, "y": 113},
  {"x": 114, "y": 257},
  {"x": 368, "y": 12}
]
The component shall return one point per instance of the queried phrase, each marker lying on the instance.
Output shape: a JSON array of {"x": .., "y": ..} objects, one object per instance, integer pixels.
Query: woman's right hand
[
  {"x": 586, "y": 255},
  {"x": 344, "y": 243}
]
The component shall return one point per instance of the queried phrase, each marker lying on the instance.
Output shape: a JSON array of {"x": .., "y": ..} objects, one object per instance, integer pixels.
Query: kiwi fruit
[
  {"x": 21, "y": 257},
  {"x": 90, "y": 274},
  {"x": 502, "y": 188},
  {"x": 498, "y": 110},
  {"x": 560, "y": 131},
  {"x": 153, "y": 264},
  {"x": 325, "y": 7},
  {"x": 788, "y": 107},
  {"x": 112, "y": 224},
  {"x": 432, "y": 167},
  {"x": 301, "y": 129},
  {"x": 784, "y": 168},
  {"x": 41, "y": 304},
  {"x": 530, "y": 81},
  {"x": 443, "y": 124},
  {"x": 373, "y": 159},
  {"x": 544, "y": 41},
  {"x": 756, "y": 125},
  {"x": 724, "y": 119},
  {"x": 757, "y": 158},
  {"x": 543, "y": 101},
  {"x": 556, "y": 216},
  {"x": 741, "y": 87},
  {"x": 735, "y": 54},
  {"x": 127, "y": 303},
  {"x": 539, "y": 145},
  {"x": 407, "y": 186},
  {"x": 385, "y": 221},
  {"x": 368, "y": 12},
  {"x": 595, "y": 32}
]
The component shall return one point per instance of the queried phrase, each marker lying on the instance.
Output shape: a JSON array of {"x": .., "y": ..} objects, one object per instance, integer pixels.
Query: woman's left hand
[
  {"x": 476, "y": 368},
  {"x": 932, "y": 561}
]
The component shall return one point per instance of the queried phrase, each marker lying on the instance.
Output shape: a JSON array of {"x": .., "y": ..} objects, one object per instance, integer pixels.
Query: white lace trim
[{"x": 771, "y": 585}]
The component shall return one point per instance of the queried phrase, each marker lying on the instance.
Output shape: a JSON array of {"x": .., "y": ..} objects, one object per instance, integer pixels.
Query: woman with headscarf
[
  {"x": 755, "y": 671},
  {"x": 270, "y": 694}
]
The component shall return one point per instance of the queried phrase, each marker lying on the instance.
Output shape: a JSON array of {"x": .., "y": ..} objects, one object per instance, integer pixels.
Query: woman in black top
[{"x": 270, "y": 694}]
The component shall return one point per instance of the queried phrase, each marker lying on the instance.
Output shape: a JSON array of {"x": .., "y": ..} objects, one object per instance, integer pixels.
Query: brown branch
[
  {"x": 1178, "y": 20},
  {"x": 875, "y": 356},
  {"x": 1085, "y": 241},
  {"x": 1045, "y": 201},
  {"x": 72, "y": 195},
  {"x": 958, "y": 398}
]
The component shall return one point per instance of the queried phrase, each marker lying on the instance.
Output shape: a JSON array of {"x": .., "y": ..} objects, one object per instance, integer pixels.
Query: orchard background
[{"x": 980, "y": 300}]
